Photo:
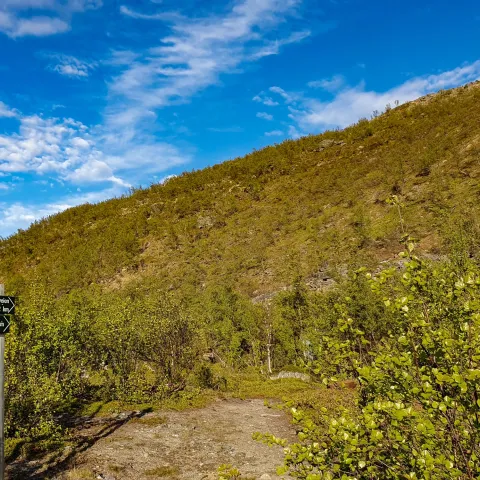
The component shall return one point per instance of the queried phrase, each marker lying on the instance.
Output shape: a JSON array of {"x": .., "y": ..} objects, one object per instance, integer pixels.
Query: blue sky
[{"x": 100, "y": 95}]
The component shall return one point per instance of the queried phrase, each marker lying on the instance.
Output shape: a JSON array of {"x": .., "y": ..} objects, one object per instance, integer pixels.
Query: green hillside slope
[
  {"x": 258, "y": 222},
  {"x": 149, "y": 296}
]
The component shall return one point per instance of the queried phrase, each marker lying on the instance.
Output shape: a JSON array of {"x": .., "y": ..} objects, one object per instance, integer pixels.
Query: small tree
[{"x": 419, "y": 407}]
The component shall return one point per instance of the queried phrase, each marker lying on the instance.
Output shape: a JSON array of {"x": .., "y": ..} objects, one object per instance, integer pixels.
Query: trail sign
[
  {"x": 7, "y": 305},
  {"x": 10, "y": 304},
  {"x": 4, "y": 324}
]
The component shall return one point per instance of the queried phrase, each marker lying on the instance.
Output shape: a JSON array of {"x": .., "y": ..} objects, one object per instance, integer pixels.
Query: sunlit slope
[{"x": 292, "y": 209}]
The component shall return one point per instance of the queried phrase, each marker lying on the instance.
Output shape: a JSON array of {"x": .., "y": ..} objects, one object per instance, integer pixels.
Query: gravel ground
[{"x": 172, "y": 445}]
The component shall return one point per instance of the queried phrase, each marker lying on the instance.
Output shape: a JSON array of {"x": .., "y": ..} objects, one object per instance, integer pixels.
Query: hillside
[
  {"x": 146, "y": 300},
  {"x": 256, "y": 223}
]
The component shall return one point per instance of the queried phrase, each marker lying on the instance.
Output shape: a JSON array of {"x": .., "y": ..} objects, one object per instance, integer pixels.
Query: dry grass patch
[
  {"x": 81, "y": 474},
  {"x": 116, "y": 468},
  {"x": 150, "y": 420},
  {"x": 160, "y": 472}
]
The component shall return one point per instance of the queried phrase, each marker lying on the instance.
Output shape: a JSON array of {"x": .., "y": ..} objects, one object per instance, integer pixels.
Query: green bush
[{"x": 419, "y": 408}]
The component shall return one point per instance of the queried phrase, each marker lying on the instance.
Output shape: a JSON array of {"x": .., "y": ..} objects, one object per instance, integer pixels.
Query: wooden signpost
[{"x": 7, "y": 308}]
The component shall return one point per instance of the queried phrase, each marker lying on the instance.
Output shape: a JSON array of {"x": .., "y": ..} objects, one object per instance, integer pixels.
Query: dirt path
[{"x": 181, "y": 445}]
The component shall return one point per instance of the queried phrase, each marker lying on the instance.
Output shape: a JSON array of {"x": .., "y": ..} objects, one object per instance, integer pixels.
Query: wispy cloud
[
  {"x": 191, "y": 57},
  {"x": 268, "y": 101},
  {"x": 20, "y": 18},
  {"x": 273, "y": 47},
  {"x": 332, "y": 84},
  {"x": 143, "y": 16},
  {"x": 352, "y": 103},
  {"x": 274, "y": 133},
  {"x": 6, "y": 111},
  {"x": 264, "y": 115},
  {"x": 233, "y": 129},
  {"x": 194, "y": 56},
  {"x": 70, "y": 66},
  {"x": 287, "y": 97}
]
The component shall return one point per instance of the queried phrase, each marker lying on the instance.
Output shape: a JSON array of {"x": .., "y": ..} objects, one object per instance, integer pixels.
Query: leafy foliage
[{"x": 419, "y": 407}]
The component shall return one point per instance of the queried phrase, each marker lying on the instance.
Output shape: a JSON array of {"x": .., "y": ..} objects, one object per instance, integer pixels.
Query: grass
[
  {"x": 251, "y": 384},
  {"x": 116, "y": 468},
  {"x": 191, "y": 399},
  {"x": 150, "y": 420},
  {"x": 32, "y": 448},
  {"x": 161, "y": 472},
  {"x": 81, "y": 474}
]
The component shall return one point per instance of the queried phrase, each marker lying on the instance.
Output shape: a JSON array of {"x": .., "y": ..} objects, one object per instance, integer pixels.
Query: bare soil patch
[{"x": 172, "y": 445}]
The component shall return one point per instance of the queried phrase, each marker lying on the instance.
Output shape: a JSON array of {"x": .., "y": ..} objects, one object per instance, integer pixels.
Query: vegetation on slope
[
  {"x": 132, "y": 299},
  {"x": 257, "y": 222}
]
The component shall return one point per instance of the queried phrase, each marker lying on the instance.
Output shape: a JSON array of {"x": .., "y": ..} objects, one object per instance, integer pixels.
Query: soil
[{"x": 190, "y": 444}]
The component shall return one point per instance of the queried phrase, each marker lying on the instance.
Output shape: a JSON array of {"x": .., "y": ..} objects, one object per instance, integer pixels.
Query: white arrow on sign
[
  {"x": 7, "y": 305},
  {"x": 4, "y": 324}
]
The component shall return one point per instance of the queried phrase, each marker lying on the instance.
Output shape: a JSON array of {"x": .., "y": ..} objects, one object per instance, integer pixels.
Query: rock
[
  {"x": 299, "y": 375},
  {"x": 205, "y": 222},
  {"x": 265, "y": 476},
  {"x": 328, "y": 143}
]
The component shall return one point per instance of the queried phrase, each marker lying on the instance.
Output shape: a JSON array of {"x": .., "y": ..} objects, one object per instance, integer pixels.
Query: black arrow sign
[
  {"x": 7, "y": 305},
  {"x": 4, "y": 324}
]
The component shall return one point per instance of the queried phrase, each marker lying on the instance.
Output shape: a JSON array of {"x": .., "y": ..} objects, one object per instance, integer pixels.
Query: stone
[
  {"x": 299, "y": 375},
  {"x": 326, "y": 143},
  {"x": 265, "y": 476}
]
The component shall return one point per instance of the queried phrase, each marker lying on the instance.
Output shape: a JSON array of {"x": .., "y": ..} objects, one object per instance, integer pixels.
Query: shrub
[{"x": 419, "y": 408}]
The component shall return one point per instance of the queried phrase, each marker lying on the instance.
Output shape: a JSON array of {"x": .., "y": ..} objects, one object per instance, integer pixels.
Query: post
[{"x": 2, "y": 398}]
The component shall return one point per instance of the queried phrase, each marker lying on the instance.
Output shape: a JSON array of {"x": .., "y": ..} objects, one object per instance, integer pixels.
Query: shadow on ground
[{"x": 60, "y": 461}]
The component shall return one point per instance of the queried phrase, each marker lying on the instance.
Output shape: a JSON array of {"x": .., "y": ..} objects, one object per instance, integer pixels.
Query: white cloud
[
  {"x": 288, "y": 97},
  {"x": 264, "y": 115},
  {"x": 71, "y": 66},
  {"x": 273, "y": 47},
  {"x": 164, "y": 180},
  {"x": 39, "y": 27},
  {"x": 141, "y": 16},
  {"x": 77, "y": 154},
  {"x": 80, "y": 142},
  {"x": 274, "y": 133},
  {"x": 352, "y": 103},
  {"x": 293, "y": 132},
  {"x": 94, "y": 170},
  {"x": 332, "y": 84},
  {"x": 20, "y": 18},
  {"x": 265, "y": 100},
  {"x": 6, "y": 111}
]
